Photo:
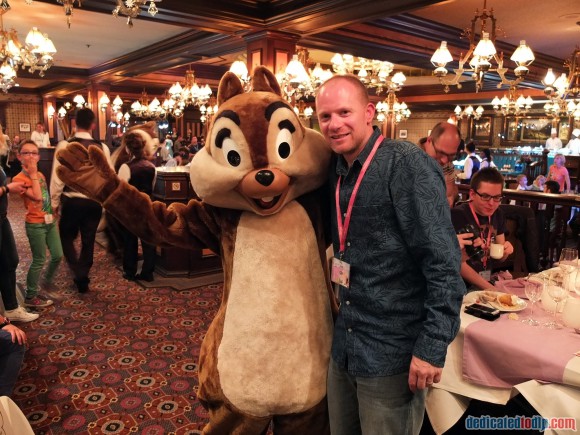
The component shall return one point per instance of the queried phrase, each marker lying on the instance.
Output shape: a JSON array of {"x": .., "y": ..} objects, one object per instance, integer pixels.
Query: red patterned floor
[{"x": 119, "y": 359}]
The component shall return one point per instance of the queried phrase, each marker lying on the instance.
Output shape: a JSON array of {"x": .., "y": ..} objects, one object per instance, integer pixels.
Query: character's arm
[{"x": 188, "y": 226}]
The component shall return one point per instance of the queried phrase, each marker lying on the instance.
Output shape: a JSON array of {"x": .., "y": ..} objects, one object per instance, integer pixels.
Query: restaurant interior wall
[
  {"x": 419, "y": 124},
  {"x": 17, "y": 113}
]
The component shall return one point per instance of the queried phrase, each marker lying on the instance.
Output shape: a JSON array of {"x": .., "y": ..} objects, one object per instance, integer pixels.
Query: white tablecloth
[{"x": 448, "y": 400}]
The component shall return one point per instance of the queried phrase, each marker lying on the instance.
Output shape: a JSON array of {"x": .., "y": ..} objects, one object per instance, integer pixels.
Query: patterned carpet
[{"x": 119, "y": 359}]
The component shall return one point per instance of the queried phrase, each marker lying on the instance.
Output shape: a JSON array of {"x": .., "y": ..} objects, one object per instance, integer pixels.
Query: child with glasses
[
  {"x": 41, "y": 227},
  {"x": 483, "y": 213}
]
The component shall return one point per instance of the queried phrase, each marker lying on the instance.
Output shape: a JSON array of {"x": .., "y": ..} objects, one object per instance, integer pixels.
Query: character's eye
[
  {"x": 231, "y": 153},
  {"x": 284, "y": 139}
]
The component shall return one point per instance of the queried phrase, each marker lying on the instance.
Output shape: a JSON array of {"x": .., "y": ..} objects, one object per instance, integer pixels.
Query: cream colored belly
[{"x": 277, "y": 334}]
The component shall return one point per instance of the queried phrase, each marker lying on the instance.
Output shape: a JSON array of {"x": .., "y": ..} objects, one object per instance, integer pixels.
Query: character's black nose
[{"x": 265, "y": 177}]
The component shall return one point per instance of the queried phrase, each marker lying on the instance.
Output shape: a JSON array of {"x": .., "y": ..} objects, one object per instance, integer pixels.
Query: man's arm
[
  {"x": 469, "y": 274},
  {"x": 56, "y": 184},
  {"x": 418, "y": 192}
]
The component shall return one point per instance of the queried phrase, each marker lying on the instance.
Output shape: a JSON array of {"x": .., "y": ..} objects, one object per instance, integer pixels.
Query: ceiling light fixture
[
  {"x": 512, "y": 104},
  {"x": 69, "y": 8},
  {"x": 190, "y": 94},
  {"x": 297, "y": 81},
  {"x": 142, "y": 108},
  {"x": 390, "y": 108},
  {"x": 564, "y": 91},
  {"x": 373, "y": 73},
  {"x": 36, "y": 54},
  {"x": 483, "y": 52},
  {"x": 132, "y": 8},
  {"x": 469, "y": 111}
]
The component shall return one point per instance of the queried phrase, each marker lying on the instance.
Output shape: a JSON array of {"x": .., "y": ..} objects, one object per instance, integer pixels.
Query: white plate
[{"x": 474, "y": 297}]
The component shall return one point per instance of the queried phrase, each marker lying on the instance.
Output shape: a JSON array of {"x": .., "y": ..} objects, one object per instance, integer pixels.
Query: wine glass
[
  {"x": 533, "y": 291},
  {"x": 568, "y": 263},
  {"x": 557, "y": 291}
]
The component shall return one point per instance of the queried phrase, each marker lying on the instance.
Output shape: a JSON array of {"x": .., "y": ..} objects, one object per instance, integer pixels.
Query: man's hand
[
  {"x": 16, "y": 333},
  {"x": 422, "y": 374},
  {"x": 88, "y": 172}
]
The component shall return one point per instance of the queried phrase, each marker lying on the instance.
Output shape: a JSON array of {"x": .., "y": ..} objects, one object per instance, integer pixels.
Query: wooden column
[{"x": 271, "y": 49}]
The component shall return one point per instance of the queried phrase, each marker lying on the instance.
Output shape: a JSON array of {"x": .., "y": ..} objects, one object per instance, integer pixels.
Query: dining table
[{"x": 493, "y": 361}]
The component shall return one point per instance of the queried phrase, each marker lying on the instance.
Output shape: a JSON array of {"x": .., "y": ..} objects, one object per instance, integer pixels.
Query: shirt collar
[
  {"x": 342, "y": 165},
  {"x": 83, "y": 135}
]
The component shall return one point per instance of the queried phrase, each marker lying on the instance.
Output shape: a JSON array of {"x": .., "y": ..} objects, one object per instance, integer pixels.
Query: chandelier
[
  {"x": 391, "y": 108},
  {"x": 483, "y": 52},
  {"x": 564, "y": 91},
  {"x": 142, "y": 108},
  {"x": 302, "y": 110},
  {"x": 208, "y": 112},
  {"x": 132, "y": 8},
  {"x": 68, "y": 9},
  {"x": 373, "y": 73},
  {"x": 468, "y": 112},
  {"x": 35, "y": 55},
  {"x": 298, "y": 82},
  {"x": 190, "y": 94},
  {"x": 512, "y": 104}
]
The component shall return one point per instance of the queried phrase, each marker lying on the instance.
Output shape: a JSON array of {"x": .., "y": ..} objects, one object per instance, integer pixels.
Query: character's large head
[{"x": 258, "y": 155}]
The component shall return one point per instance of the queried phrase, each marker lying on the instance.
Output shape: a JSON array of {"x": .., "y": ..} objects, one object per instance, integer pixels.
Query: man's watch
[{"x": 5, "y": 322}]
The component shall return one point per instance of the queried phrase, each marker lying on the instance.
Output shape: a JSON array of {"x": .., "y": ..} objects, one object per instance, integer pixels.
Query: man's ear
[{"x": 370, "y": 113}]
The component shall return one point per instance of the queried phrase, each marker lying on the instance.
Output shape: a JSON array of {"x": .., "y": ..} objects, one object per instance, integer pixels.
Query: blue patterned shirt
[{"x": 405, "y": 287}]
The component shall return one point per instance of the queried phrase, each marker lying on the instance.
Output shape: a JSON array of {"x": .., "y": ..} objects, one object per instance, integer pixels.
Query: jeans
[
  {"x": 79, "y": 215},
  {"x": 11, "y": 357},
  {"x": 8, "y": 263},
  {"x": 380, "y": 405},
  {"x": 41, "y": 236}
]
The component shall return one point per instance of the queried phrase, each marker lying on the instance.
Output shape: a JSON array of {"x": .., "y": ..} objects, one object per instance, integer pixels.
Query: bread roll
[{"x": 505, "y": 299}]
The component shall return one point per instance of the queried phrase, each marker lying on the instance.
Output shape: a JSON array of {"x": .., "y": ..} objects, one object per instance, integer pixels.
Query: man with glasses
[
  {"x": 442, "y": 145},
  {"x": 484, "y": 214}
]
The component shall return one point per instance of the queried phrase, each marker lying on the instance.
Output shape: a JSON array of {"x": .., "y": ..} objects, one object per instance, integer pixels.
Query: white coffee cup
[{"x": 496, "y": 250}]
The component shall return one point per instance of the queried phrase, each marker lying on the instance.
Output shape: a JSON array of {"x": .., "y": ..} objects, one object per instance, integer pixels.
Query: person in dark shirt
[
  {"x": 400, "y": 291},
  {"x": 483, "y": 212},
  {"x": 140, "y": 173}
]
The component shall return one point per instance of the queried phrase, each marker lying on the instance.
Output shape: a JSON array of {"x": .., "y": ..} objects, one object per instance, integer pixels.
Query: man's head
[
  {"x": 85, "y": 119},
  {"x": 16, "y": 140},
  {"x": 470, "y": 147},
  {"x": 443, "y": 142},
  {"x": 486, "y": 191},
  {"x": 553, "y": 133},
  {"x": 345, "y": 115},
  {"x": 40, "y": 127}
]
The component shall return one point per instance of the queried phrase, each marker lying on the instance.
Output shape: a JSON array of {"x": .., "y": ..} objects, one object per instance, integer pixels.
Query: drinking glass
[
  {"x": 533, "y": 291},
  {"x": 557, "y": 291},
  {"x": 568, "y": 263}
]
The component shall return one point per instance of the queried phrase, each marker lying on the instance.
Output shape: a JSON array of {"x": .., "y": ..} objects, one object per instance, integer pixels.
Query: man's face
[
  {"x": 486, "y": 207},
  {"x": 444, "y": 148},
  {"x": 344, "y": 117},
  {"x": 39, "y": 128}
]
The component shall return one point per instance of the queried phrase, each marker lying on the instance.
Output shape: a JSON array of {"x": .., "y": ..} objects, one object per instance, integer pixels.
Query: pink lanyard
[
  {"x": 343, "y": 227},
  {"x": 486, "y": 243}
]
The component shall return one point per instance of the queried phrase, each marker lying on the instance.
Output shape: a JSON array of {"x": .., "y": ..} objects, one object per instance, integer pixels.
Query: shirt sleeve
[
  {"x": 56, "y": 184},
  {"x": 418, "y": 191},
  {"x": 467, "y": 169},
  {"x": 124, "y": 173}
]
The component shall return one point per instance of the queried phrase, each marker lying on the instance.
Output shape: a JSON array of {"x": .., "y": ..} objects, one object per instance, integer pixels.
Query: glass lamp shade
[
  {"x": 441, "y": 56},
  {"x": 485, "y": 48},
  {"x": 240, "y": 69},
  {"x": 399, "y": 78},
  {"x": 495, "y": 102},
  {"x": 457, "y": 110},
  {"x": 550, "y": 78},
  {"x": 523, "y": 55},
  {"x": 296, "y": 71},
  {"x": 79, "y": 100},
  {"x": 34, "y": 38}
]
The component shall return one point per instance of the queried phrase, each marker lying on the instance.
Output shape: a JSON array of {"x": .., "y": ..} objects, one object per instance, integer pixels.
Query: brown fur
[{"x": 236, "y": 207}]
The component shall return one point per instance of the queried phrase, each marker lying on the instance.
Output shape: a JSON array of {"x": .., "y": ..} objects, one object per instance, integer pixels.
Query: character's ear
[
  {"x": 265, "y": 80},
  {"x": 230, "y": 86}
]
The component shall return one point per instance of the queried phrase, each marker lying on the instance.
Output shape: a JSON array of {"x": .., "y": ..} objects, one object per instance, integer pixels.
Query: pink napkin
[{"x": 513, "y": 286}]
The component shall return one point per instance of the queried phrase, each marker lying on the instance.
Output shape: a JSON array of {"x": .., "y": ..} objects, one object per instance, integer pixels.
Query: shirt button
[
  {"x": 344, "y": 215},
  {"x": 349, "y": 329},
  {"x": 347, "y": 243},
  {"x": 347, "y": 302}
]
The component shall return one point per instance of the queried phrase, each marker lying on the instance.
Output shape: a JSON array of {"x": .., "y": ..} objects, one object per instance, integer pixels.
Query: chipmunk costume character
[{"x": 265, "y": 355}]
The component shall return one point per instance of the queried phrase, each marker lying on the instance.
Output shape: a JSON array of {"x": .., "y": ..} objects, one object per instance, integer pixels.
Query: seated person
[
  {"x": 538, "y": 184},
  {"x": 482, "y": 211},
  {"x": 180, "y": 159}
]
